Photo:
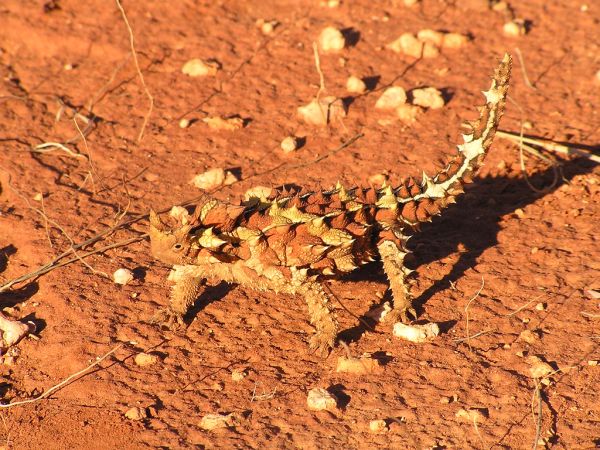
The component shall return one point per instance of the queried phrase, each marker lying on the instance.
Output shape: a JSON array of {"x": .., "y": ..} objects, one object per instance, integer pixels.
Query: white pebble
[
  {"x": 514, "y": 28},
  {"x": 145, "y": 359},
  {"x": 136, "y": 413},
  {"x": 214, "y": 178},
  {"x": 378, "y": 426},
  {"x": 454, "y": 40},
  {"x": 416, "y": 333},
  {"x": 215, "y": 421},
  {"x": 358, "y": 366},
  {"x": 538, "y": 368},
  {"x": 227, "y": 124},
  {"x": 391, "y": 98},
  {"x": 200, "y": 68},
  {"x": 409, "y": 45},
  {"x": 327, "y": 110},
  {"x": 471, "y": 415},
  {"x": 122, "y": 276},
  {"x": 258, "y": 192},
  {"x": 428, "y": 97},
  {"x": 355, "y": 85},
  {"x": 184, "y": 123},
  {"x": 331, "y": 40},
  {"x": 320, "y": 399},
  {"x": 408, "y": 113},
  {"x": 289, "y": 144},
  {"x": 428, "y": 35},
  {"x": 238, "y": 375}
]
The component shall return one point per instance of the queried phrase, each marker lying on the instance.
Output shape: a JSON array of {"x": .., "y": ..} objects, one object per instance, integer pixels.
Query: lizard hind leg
[
  {"x": 321, "y": 317},
  {"x": 392, "y": 256}
]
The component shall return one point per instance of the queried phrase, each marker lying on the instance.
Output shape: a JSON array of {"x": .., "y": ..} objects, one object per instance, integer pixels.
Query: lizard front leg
[
  {"x": 184, "y": 292},
  {"x": 321, "y": 317},
  {"x": 392, "y": 257}
]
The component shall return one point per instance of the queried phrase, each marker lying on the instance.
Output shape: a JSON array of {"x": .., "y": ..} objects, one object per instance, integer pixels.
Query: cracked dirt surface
[{"x": 62, "y": 58}]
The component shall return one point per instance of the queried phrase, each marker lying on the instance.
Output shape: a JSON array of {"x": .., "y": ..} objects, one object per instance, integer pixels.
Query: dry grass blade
[
  {"x": 468, "y": 338},
  {"x": 139, "y": 71},
  {"x": 48, "y": 147}
]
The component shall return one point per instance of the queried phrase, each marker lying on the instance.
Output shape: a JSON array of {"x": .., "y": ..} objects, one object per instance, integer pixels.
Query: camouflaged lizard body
[{"x": 289, "y": 241}]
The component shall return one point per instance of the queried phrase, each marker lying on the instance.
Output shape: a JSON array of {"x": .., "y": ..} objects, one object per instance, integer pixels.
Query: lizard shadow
[{"x": 473, "y": 223}]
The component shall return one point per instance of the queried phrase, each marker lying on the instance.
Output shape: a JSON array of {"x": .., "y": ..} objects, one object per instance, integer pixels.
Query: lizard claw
[
  {"x": 321, "y": 345},
  {"x": 403, "y": 315},
  {"x": 168, "y": 319}
]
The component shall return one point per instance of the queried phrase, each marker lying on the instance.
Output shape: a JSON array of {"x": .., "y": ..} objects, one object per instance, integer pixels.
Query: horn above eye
[{"x": 155, "y": 221}]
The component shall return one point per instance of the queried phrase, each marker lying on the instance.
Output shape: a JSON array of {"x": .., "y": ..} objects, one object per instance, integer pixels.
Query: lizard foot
[
  {"x": 404, "y": 315},
  {"x": 321, "y": 345},
  {"x": 168, "y": 319}
]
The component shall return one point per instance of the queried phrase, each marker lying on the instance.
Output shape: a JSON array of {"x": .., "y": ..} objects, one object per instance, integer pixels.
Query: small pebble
[
  {"x": 122, "y": 276},
  {"x": 184, "y": 123},
  {"x": 472, "y": 415},
  {"x": 454, "y": 40},
  {"x": 200, "y": 68},
  {"x": 259, "y": 192},
  {"x": 541, "y": 307},
  {"x": 416, "y": 333},
  {"x": 408, "y": 113},
  {"x": 215, "y": 421},
  {"x": 136, "y": 413},
  {"x": 38, "y": 197},
  {"x": 529, "y": 336},
  {"x": 327, "y": 110},
  {"x": 409, "y": 45},
  {"x": 320, "y": 399},
  {"x": 289, "y": 144},
  {"x": 378, "y": 426},
  {"x": 355, "y": 85},
  {"x": 391, "y": 98},
  {"x": 267, "y": 26},
  {"x": 221, "y": 123},
  {"x": 331, "y": 40},
  {"x": 538, "y": 367},
  {"x": 592, "y": 362},
  {"x": 214, "y": 178},
  {"x": 514, "y": 28},
  {"x": 238, "y": 375},
  {"x": 428, "y": 97},
  {"x": 435, "y": 37},
  {"x": 358, "y": 366},
  {"x": 146, "y": 359}
]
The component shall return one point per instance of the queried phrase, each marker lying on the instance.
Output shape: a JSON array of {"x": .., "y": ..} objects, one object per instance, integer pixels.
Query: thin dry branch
[
  {"x": 139, "y": 71},
  {"x": 548, "y": 144},
  {"x": 523, "y": 70},
  {"x": 66, "y": 381},
  {"x": 468, "y": 338},
  {"x": 48, "y": 147}
]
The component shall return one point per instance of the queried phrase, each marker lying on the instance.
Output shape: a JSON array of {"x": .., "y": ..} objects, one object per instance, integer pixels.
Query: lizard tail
[{"x": 414, "y": 202}]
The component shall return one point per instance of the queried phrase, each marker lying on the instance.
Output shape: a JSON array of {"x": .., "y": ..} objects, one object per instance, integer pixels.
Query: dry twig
[{"x": 66, "y": 381}]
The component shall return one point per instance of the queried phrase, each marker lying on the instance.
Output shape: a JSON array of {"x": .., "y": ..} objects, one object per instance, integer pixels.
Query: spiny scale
[{"x": 281, "y": 242}]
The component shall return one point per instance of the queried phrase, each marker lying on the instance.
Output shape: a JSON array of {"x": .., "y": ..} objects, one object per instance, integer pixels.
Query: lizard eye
[{"x": 177, "y": 247}]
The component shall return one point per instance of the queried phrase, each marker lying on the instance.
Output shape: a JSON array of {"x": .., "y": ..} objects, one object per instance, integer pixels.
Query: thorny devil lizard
[{"x": 292, "y": 240}]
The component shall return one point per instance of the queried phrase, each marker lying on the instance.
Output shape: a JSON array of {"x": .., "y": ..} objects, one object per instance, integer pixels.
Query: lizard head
[{"x": 171, "y": 245}]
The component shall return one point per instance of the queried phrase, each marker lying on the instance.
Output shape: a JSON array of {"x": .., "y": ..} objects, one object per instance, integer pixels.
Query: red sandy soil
[{"x": 523, "y": 247}]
